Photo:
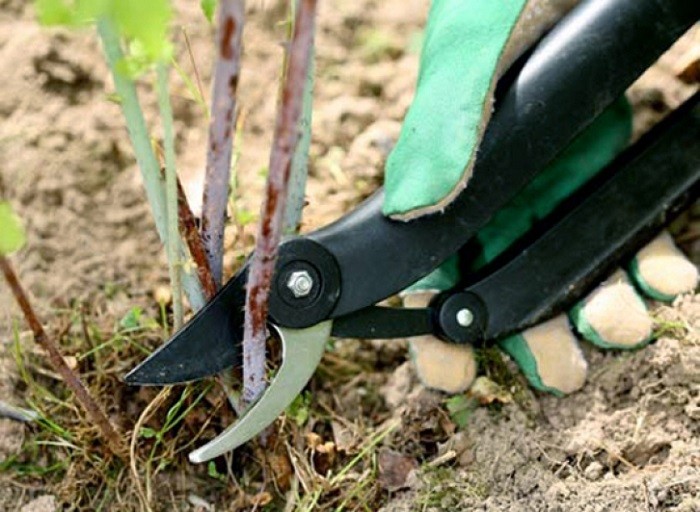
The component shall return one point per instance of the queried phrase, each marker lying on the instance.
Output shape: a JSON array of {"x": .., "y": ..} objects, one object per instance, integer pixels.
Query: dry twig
[{"x": 115, "y": 442}]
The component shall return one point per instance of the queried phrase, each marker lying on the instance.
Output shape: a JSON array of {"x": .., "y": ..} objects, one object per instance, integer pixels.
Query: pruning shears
[{"x": 328, "y": 282}]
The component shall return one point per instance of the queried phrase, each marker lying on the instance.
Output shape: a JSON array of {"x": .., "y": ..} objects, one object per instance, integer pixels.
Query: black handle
[
  {"x": 602, "y": 226},
  {"x": 579, "y": 69}
]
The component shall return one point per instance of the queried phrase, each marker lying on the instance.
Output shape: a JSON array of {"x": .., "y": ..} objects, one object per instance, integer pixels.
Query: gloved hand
[{"x": 431, "y": 164}]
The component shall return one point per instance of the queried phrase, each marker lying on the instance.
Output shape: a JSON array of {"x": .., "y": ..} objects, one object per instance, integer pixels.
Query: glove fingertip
[
  {"x": 443, "y": 366},
  {"x": 661, "y": 271},
  {"x": 516, "y": 347},
  {"x": 645, "y": 287},
  {"x": 549, "y": 357},
  {"x": 614, "y": 316}
]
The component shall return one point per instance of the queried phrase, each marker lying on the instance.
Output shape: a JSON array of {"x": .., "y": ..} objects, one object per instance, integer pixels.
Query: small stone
[
  {"x": 594, "y": 471},
  {"x": 394, "y": 469},
  {"x": 45, "y": 503},
  {"x": 486, "y": 392},
  {"x": 71, "y": 361}
]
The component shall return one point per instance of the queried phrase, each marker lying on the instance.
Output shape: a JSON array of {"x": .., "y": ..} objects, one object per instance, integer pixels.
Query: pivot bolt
[
  {"x": 300, "y": 283},
  {"x": 465, "y": 317}
]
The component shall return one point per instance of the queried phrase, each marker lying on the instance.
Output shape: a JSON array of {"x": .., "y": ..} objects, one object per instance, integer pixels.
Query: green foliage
[
  {"x": 69, "y": 12},
  {"x": 214, "y": 473},
  {"x": 132, "y": 319},
  {"x": 12, "y": 236},
  {"x": 143, "y": 23},
  {"x": 208, "y": 8},
  {"x": 245, "y": 217},
  {"x": 460, "y": 408},
  {"x": 298, "y": 410}
]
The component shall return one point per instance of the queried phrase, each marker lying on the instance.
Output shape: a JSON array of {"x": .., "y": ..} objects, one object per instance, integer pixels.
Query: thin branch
[
  {"x": 190, "y": 233},
  {"x": 271, "y": 218},
  {"x": 115, "y": 442},
  {"x": 188, "y": 227},
  {"x": 223, "y": 110},
  {"x": 300, "y": 161},
  {"x": 145, "y": 157},
  {"x": 195, "y": 69},
  {"x": 171, "y": 200}
]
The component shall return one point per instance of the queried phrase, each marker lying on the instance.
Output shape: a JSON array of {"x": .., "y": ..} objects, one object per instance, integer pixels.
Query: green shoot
[
  {"x": 12, "y": 236},
  {"x": 173, "y": 238}
]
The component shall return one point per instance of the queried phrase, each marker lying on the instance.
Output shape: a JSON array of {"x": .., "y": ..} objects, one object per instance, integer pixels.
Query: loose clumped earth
[{"x": 366, "y": 435}]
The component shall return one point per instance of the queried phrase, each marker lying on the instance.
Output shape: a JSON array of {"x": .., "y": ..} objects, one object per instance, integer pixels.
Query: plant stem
[
  {"x": 188, "y": 227},
  {"x": 147, "y": 162},
  {"x": 300, "y": 161},
  {"x": 171, "y": 197},
  {"x": 223, "y": 110},
  {"x": 115, "y": 442},
  {"x": 271, "y": 217},
  {"x": 190, "y": 233}
]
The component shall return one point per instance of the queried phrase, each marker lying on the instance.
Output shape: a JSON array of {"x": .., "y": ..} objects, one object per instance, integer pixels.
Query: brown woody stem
[
  {"x": 271, "y": 218},
  {"x": 115, "y": 442},
  {"x": 221, "y": 124},
  {"x": 188, "y": 228}
]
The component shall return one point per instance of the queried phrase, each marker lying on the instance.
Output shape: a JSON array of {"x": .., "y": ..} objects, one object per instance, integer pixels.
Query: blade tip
[{"x": 197, "y": 456}]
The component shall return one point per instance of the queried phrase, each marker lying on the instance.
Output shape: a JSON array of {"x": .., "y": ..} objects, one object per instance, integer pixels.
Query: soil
[{"x": 630, "y": 440}]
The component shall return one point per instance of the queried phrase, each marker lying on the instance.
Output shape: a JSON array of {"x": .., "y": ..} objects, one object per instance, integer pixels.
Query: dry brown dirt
[{"x": 629, "y": 441}]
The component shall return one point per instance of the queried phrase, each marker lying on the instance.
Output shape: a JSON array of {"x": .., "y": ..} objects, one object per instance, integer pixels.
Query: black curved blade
[{"x": 209, "y": 343}]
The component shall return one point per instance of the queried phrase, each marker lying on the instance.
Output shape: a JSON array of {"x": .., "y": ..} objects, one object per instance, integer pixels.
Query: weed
[
  {"x": 460, "y": 408},
  {"x": 495, "y": 367},
  {"x": 445, "y": 490}
]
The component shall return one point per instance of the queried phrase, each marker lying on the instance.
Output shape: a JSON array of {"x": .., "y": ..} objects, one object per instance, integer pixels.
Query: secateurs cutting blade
[{"x": 328, "y": 282}]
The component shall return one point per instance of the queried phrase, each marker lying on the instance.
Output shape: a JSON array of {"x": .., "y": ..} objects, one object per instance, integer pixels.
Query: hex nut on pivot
[{"x": 300, "y": 283}]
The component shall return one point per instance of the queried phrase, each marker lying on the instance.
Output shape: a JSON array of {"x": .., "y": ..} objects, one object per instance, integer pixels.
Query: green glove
[
  {"x": 431, "y": 163},
  {"x": 613, "y": 316},
  {"x": 468, "y": 45}
]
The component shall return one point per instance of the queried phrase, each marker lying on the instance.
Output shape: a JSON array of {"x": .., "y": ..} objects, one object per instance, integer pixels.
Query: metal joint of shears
[{"x": 327, "y": 282}]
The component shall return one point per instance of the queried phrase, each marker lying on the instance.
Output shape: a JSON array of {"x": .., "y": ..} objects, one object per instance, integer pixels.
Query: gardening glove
[
  {"x": 614, "y": 316},
  {"x": 468, "y": 44},
  {"x": 431, "y": 164}
]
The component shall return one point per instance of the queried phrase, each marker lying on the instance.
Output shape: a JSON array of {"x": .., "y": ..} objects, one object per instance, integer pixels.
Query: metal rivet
[
  {"x": 465, "y": 317},
  {"x": 300, "y": 283}
]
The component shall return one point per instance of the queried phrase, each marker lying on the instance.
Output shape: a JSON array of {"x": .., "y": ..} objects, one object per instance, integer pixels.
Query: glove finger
[
  {"x": 443, "y": 366},
  {"x": 549, "y": 356},
  {"x": 662, "y": 271},
  {"x": 614, "y": 316}
]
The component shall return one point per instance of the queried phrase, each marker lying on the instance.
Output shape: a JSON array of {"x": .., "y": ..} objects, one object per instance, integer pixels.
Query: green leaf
[
  {"x": 208, "y": 8},
  {"x": 12, "y": 236},
  {"x": 213, "y": 472},
  {"x": 132, "y": 320},
  {"x": 69, "y": 12},
  {"x": 460, "y": 408},
  {"x": 298, "y": 410},
  {"x": 146, "y": 24},
  {"x": 143, "y": 23},
  {"x": 147, "y": 433}
]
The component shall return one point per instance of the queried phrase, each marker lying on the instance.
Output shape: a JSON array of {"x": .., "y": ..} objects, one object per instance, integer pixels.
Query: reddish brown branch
[
  {"x": 96, "y": 414},
  {"x": 271, "y": 218},
  {"x": 188, "y": 228},
  {"x": 221, "y": 124}
]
